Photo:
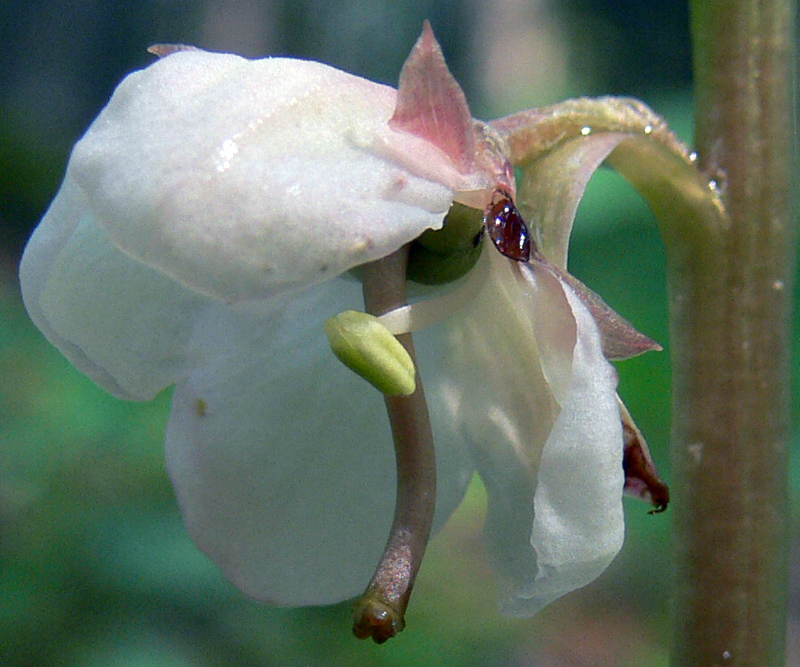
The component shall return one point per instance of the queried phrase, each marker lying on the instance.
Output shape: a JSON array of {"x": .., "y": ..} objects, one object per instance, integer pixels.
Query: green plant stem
[
  {"x": 380, "y": 613},
  {"x": 731, "y": 297}
]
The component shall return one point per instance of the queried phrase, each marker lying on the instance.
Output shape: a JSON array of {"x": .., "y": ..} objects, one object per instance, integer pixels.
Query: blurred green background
[{"x": 95, "y": 566}]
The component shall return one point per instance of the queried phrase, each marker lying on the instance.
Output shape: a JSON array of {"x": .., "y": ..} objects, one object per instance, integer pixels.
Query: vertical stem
[
  {"x": 730, "y": 305},
  {"x": 380, "y": 612}
]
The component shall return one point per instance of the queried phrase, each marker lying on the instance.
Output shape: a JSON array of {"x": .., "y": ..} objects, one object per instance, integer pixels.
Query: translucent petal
[
  {"x": 621, "y": 340},
  {"x": 535, "y": 399},
  {"x": 245, "y": 178},
  {"x": 578, "y": 523},
  {"x": 552, "y": 187},
  {"x": 282, "y": 457},
  {"x": 125, "y": 325}
]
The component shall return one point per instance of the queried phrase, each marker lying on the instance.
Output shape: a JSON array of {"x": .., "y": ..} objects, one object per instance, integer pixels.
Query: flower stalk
[
  {"x": 731, "y": 294},
  {"x": 380, "y": 612}
]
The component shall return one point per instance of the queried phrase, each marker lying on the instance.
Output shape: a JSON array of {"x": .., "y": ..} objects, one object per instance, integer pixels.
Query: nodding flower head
[{"x": 217, "y": 214}]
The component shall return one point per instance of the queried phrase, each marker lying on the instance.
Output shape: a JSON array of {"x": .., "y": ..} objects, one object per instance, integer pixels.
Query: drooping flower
[{"x": 202, "y": 237}]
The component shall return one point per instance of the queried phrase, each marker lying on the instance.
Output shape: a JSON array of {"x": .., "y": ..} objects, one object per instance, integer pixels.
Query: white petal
[
  {"x": 282, "y": 458},
  {"x": 244, "y": 178},
  {"x": 578, "y": 523},
  {"x": 535, "y": 399},
  {"x": 504, "y": 408},
  {"x": 122, "y": 323}
]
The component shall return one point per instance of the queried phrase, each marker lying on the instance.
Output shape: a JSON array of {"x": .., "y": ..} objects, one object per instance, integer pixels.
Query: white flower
[{"x": 200, "y": 239}]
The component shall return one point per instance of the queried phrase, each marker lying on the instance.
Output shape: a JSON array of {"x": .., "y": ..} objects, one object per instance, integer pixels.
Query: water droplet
[
  {"x": 586, "y": 130},
  {"x": 727, "y": 655},
  {"x": 648, "y": 129},
  {"x": 506, "y": 228},
  {"x": 712, "y": 185},
  {"x": 693, "y": 156},
  {"x": 225, "y": 154}
]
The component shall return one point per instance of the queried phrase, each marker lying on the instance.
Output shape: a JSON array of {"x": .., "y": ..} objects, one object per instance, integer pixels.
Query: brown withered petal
[{"x": 641, "y": 477}]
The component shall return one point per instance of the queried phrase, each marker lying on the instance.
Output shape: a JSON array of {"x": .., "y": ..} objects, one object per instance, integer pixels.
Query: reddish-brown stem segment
[
  {"x": 380, "y": 612},
  {"x": 731, "y": 296}
]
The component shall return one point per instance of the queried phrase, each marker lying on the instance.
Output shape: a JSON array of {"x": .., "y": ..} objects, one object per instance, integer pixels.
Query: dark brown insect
[{"x": 506, "y": 227}]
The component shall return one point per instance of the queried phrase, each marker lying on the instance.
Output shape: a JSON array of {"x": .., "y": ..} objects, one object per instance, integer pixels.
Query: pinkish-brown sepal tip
[
  {"x": 163, "y": 50},
  {"x": 431, "y": 105}
]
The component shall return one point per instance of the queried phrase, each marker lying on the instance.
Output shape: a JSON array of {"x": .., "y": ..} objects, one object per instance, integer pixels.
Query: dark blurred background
[{"x": 95, "y": 566}]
